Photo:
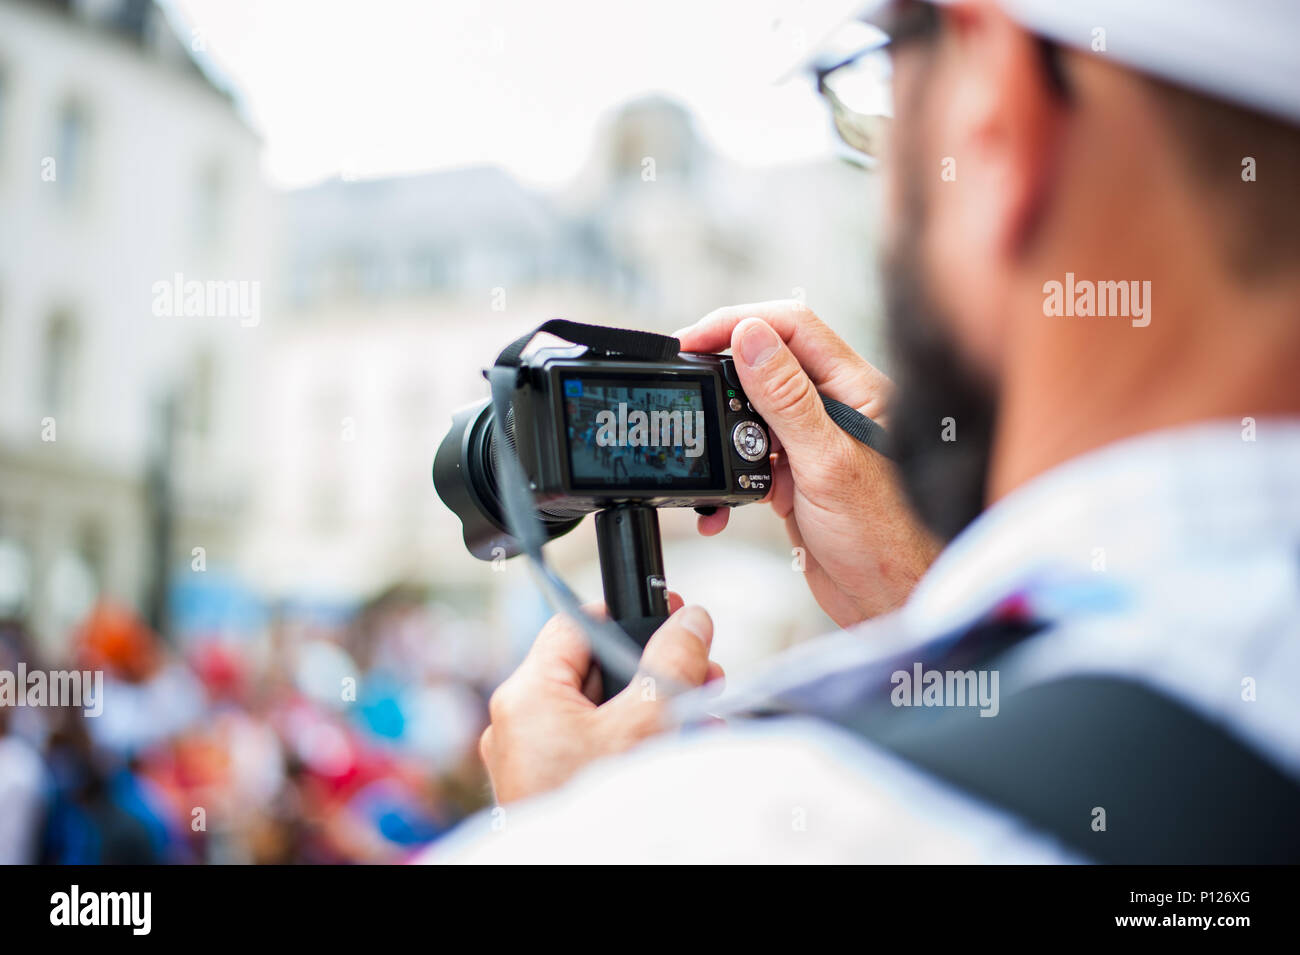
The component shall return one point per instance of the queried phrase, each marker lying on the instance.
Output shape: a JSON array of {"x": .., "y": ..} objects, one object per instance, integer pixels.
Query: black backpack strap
[{"x": 1175, "y": 787}]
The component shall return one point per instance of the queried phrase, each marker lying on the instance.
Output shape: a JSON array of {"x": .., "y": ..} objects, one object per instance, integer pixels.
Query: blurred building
[
  {"x": 289, "y": 456},
  {"x": 123, "y": 164},
  {"x": 704, "y": 232},
  {"x": 397, "y": 292}
]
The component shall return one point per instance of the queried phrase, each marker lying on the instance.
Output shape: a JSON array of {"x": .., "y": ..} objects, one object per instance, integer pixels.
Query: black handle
[{"x": 632, "y": 572}]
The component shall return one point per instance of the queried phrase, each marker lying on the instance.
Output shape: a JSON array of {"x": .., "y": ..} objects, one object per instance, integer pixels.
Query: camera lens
[{"x": 467, "y": 476}]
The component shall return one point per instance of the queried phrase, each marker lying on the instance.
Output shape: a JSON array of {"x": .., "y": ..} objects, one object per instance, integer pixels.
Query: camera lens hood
[{"x": 466, "y": 479}]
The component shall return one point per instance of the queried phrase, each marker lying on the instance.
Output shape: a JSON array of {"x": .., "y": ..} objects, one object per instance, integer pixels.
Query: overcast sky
[{"x": 379, "y": 87}]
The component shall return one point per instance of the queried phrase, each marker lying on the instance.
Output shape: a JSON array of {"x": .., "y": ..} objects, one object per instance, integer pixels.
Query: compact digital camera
[{"x": 596, "y": 432}]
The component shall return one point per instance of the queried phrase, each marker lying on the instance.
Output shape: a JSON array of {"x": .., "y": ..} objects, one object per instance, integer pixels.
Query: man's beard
[{"x": 937, "y": 395}]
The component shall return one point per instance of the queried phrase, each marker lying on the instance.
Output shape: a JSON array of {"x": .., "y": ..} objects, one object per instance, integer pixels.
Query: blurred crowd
[{"x": 325, "y": 740}]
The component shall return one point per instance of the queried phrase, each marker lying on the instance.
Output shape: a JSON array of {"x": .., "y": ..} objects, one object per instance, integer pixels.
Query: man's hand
[
  {"x": 545, "y": 722},
  {"x": 841, "y": 502}
]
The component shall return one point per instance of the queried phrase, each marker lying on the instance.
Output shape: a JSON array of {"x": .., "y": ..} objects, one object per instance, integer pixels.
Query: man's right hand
[{"x": 841, "y": 502}]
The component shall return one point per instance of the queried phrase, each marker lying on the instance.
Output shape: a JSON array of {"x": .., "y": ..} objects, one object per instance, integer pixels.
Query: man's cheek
[{"x": 894, "y": 205}]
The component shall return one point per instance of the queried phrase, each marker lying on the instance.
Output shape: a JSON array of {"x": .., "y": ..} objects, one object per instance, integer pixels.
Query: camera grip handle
[{"x": 632, "y": 573}]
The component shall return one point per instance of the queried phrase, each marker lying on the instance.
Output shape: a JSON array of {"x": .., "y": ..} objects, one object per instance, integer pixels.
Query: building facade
[{"x": 123, "y": 166}]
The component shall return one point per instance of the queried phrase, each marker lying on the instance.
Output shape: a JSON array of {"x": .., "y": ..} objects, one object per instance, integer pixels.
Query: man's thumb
[
  {"x": 679, "y": 650},
  {"x": 778, "y": 388}
]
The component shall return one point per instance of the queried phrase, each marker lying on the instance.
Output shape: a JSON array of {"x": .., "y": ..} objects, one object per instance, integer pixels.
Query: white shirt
[{"x": 1172, "y": 558}]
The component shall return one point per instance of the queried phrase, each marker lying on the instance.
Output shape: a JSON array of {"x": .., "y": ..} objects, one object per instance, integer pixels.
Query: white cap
[{"x": 1244, "y": 51}]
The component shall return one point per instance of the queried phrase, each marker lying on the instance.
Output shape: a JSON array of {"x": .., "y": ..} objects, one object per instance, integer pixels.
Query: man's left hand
[{"x": 546, "y": 724}]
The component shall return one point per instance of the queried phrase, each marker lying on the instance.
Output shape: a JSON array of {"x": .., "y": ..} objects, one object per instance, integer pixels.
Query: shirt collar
[{"x": 1129, "y": 508}]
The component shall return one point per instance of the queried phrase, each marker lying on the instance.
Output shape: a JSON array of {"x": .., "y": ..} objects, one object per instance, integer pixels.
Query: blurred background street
[{"x": 227, "y": 508}]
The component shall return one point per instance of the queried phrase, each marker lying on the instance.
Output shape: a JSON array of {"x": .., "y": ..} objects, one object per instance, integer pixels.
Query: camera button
[
  {"x": 750, "y": 440},
  {"x": 734, "y": 404}
]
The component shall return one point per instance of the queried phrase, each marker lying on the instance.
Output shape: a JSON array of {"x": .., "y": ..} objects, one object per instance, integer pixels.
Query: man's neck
[{"x": 1074, "y": 383}]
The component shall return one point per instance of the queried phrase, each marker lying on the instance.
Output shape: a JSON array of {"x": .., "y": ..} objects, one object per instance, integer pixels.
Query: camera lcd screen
[{"x": 640, "y": 434}]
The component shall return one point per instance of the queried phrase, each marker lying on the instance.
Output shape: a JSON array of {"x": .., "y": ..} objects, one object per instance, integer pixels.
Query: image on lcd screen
[{"x": 633, "y": 435}]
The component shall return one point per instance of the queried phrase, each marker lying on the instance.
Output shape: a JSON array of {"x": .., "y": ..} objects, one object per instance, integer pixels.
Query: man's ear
[{"x": 1005, "y": 120}]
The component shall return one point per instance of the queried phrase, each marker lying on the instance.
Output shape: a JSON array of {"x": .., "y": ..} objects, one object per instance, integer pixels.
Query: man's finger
[
  {"x": 713, "y": 331},
  {"x": 560, "y": 652},
  {"x": 679, "y": 650},
  {"x": 710, "y": 524},
  {"x": 593, "y": 688},
  {"x": 833, "y": 366},
  {"x": 782, "y": 392},
  {"x": 782, "y": 495}
]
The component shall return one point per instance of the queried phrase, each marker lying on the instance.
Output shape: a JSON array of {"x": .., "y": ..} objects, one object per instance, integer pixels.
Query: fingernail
[
  {"x": 758, "y": 342},
  {"x": 696, "y": 621},
  {"x": 682, "y": 331}
]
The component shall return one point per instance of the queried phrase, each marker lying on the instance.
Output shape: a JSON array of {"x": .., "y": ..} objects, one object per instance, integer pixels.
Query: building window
[
  {"x": 200, "y": 394},
  {"x": 210, "y": 204},
  {"x": 58, "y": 366},
  {"x": 431, "y": 271},
  {"x": 15, "y": 578},
  {"x": 4, "y": 111},
  {"x": 359, "y": 273},
  {"x": 72, "y": 145}
]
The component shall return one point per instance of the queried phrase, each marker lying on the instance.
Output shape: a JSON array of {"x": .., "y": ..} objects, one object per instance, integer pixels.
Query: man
[
  {"x": 23, "y": 780},
  {"x": 1093, "y": 299}
]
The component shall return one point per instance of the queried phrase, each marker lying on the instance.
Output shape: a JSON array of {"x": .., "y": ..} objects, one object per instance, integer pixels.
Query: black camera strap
[
  {"x": 617, "y": 653},
  {"x": 620, "y": 342},
  {"x": 857, "y": 425}
]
